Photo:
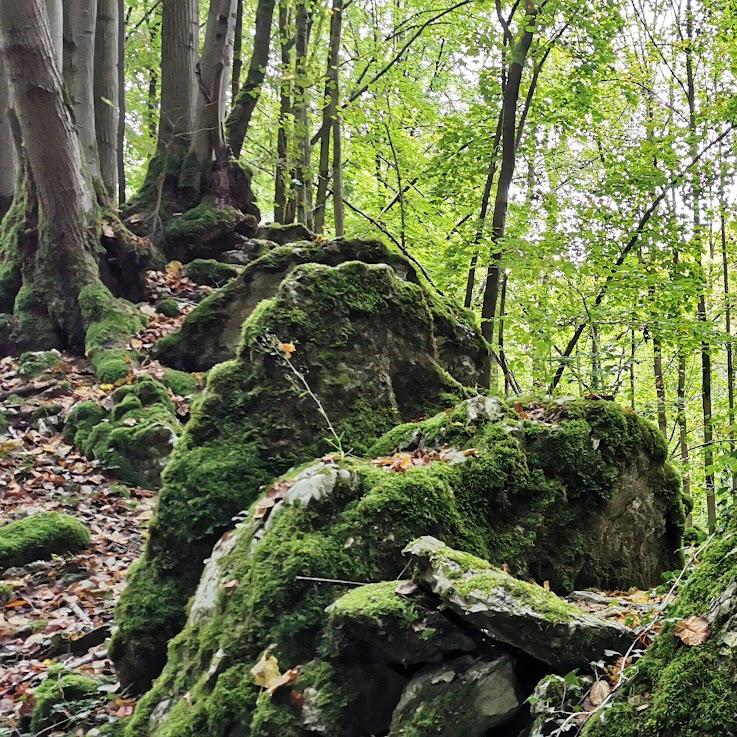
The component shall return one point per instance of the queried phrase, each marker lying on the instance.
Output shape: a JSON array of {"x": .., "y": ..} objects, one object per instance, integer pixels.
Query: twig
[{"x": 338, "y": 581}]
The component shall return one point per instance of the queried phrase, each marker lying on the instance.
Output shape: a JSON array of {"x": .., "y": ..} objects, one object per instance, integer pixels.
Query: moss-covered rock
[
  {"x": 134, "y": 438},
  {"x": 40, "y": 536},
  {"x": 362, "y": 339},
  {"x": 209, "y": 272},
  {"x": 62, "y": 694},
  {"x": 481, "y": 483},
  {"x": 168, "y": 308},
  {"x": 677, "y": 690},
  {"x": 111, "y": 323},
  {"x": 211, "y": 333},
  {"x": 32, "y": 364}
]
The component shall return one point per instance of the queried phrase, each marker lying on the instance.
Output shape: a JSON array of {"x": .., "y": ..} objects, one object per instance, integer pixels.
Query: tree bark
[
  {"x": 235, "y": 78},
  {"x": 509, "y": 155},
  {"x": 660, "y": 385},
  {"x": 329, "y": 114},
  {"x": 179, "y": 49},
  {"x": 301, "y": 105},
  {"x": 8, "y": 160},
  {"x": 281, "y": 178},
  {"x": 120, "y": 142},
  {"x": 244, "y": 102},
  {"x": 55, "y": 12},
  {"x": 59, "y": 261},
  {"x": 79, "y": 67},
  {"x": 208, "y": 141},
  {"x": 106, "y": 88}
]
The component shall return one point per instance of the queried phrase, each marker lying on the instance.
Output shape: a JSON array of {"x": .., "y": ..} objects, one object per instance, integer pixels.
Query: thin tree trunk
[
  {"x": 281, "y": 179},
  {"x": 509, "y": 156},
  {"x": 302, "y": 131},
  {"x": 60, "y": 262},
  {"x": 682, "y": 423},
  {"x": 338, "y": 208},
  {"x": 706, "y": 402},
  {"x": 106, "y": 89},
  {"x": 660, "y": 385},
  {"x": 245, "y": 99},
  {"x": 8, "y": 161},
  {"x": 208, "y": 141},
  {"x": 179, "y": 50},
  {"x": 235, "y": 80},
  {"x": 329, "y": 114},
  {"x": 79, "y": 72},
  {"x": 727, "y": 319},
  {"x": 120, "y": 143},
  {"x": 633, "y": 352},
  {"x": 502, "y": 315}
]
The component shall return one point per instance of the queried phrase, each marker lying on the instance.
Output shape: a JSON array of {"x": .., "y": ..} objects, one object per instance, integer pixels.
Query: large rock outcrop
[
  {"x": 264, "y": 653},
  {"x": 338, "y": 356},
  {"x": 212, "y": 331}
]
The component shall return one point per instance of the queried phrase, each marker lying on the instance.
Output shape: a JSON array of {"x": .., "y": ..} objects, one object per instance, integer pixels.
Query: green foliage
[
  {"x": 39, "y": 536},
  {"x": 62, "y": 694}
]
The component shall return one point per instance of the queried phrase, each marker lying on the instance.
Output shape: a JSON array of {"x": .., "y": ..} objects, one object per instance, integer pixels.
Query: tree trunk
[
  {"x": 338, "y": 209},
  {"x": 682, "y": 423},
  {"x": 106, "y": 88},
  {"x": 208, "y": 141},
  {"x": 329, "y": 114},
  {"x": 8, "y": 162},
  {"x": 302, "y": 130},
  {"x": 179, "y": 49},
  {"x": 79, "y": 67},
  {"x": 244, "y": 102},
  {"x": 727, "y": 319},
  {"x": 281, "y": 178},
  {"x": 235, "y": 79},
  {"x": 57, "y": 260},
  {"x": 55, "y": 12},
  {"x": 660, "y": 385},
  {"x": 509, "y": 156},
  {"x": 120, "y": 142}
]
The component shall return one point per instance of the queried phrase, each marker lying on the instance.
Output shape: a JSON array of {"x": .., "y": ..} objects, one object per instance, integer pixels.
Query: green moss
[
  {"x": 134, "y": 438},
  {"x": 34, "y": 363},
  {"x": 40, "y": 536},
  {"x": 210, "y": 272},
  {"x": 169, "y": 308},
  {"x": 203, "y": 218},
  {"x": 374, "y": 601},
  {"x": 61, "y": 694},
  {"x": 110, "y": 324},
  {"x": 12, "y": 227},
  {"x": 181, "y": 382}
]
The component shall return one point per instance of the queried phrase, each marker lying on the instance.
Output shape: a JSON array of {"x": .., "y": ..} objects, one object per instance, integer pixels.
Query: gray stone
[{"x": 513, "y": 612}]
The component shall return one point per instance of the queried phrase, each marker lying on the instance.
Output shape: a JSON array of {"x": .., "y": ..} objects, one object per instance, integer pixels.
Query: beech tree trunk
[
  {"x": 179, "y": 49},
  {"x": 244, "y": 103},
  {"x": 329, "y": 115},
  {"x": 509, "y": 159},
  {"x": 106, "y": 86},
  {"x": 79, "y": 74},
  {"x": 120, "y": 143},
  {"x": 55, "y": 12},
  {"x": 56, "y": 260},
  {"x": 301, "y": 105},
  {"x": 8, "y": 162},
  {"x": 208, "y": 141},
  {"x": 281, "y": 178}
]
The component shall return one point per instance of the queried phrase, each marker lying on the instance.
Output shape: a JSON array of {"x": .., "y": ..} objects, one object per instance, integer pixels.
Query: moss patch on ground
[
  {"x": 40, "y": 536},
  {"x": 61, "y": 694}
]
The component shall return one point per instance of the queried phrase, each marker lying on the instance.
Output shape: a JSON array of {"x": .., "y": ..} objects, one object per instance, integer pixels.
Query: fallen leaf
[
  {"x": 405, "y": 588},
  {"x": 599, "y": 693},
  {"x": 693, "y": 630},
  {"x": 266, "y": 671},
  {"x": 287, "y": 349}
]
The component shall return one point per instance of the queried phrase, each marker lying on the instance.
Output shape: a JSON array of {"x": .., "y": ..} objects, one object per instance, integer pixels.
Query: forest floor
[{"x": 60, "y": 612}]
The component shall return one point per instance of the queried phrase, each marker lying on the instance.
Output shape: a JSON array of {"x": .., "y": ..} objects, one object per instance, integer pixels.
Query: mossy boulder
[
  {"x": 39, "y": 536},
  {"x": 134, "y": 438},
  {"x": 358, "y": 347},
  {"x": 62, "y": 694},
  {"x": 32, "y": 364},
  {"x": 211, "y": 333},
  {"x": 681, "y": 690},
  {"x": 484, "y": 486},
  {"x": 209, "y": 272}
]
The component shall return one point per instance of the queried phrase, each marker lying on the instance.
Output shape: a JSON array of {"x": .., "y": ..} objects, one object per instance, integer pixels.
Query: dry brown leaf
[
  {"x": 599, "y": 693},
  {"x": 693, "y": 630},
  {"x": 287, "y": 349},
  {"x": 405, "y": 588}
]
